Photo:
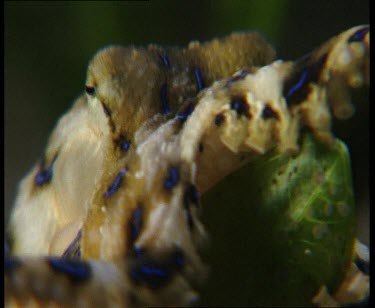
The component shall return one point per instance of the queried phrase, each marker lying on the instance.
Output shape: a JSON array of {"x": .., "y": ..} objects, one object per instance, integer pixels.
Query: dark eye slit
[{"x": 90, "y": 90}]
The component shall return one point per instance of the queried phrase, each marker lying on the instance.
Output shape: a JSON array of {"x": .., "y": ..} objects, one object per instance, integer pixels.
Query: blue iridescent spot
[
  {"x": 164, "y": 103},
  {"x": 240, "y": 106},
  {"x": 44, "y": 176},
  {"x": 115, "y": 184},
  {"x": 125, "y": 146},
  {"x": 151, "y": 274},
  {"x": 198, "y": 77},
  {"x": 187, "y": 113},
  {"x": 135, "y": 224},
  {"x": 359, "y": 35},
  {"x": 123, "y": 143},
  {"x": 76, "y": 270},
  {"x": 172, "y": 178},
  {"x": 165, "y": 60}
]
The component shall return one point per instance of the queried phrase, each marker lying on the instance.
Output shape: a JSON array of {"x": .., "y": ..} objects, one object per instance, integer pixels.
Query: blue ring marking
[
  {"x": 295, "y": 89},
  {"x": 299, "y": 84},
  {"x": 116, "y": 183},
  {"x": 136, "y": 224},
  {"x": 198, "y": 77},
  {"x": 44, "y": 176},
  {"x": 164, "y": 102},
  {"x": 187, "y": 113},
  {"x": 76, "y": 270},
  {"x": 240, "y": 106},
  {"x": 151, "y": 274},
  {"x": 72, "y": 245},
  {"x": 165, "y": 60},
  {"x": 359, "y": 35},
  {"x": 242, "y": 75},
  {"x": 172, "y": 179}
]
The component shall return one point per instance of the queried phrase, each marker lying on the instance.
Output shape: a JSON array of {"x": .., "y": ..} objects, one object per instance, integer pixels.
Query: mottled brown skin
[
  {"x": 166, "y": 157},
  {"x": 119, "y": 76},
  {"x": 129, "y": 80}
]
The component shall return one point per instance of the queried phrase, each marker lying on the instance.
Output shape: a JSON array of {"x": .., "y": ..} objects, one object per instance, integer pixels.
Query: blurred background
[{"x": 49, "y": 44}]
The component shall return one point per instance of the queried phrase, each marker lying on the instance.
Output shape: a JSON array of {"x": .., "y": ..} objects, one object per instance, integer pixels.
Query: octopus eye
[{"x": 90, "y": 90}]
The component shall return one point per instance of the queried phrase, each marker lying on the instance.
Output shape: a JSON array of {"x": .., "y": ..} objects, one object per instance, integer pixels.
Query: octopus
[{"x": 111, "y": 215}]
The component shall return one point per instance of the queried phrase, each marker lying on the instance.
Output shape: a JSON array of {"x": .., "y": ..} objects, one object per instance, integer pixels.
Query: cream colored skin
[{"x": 46, "y": 219}]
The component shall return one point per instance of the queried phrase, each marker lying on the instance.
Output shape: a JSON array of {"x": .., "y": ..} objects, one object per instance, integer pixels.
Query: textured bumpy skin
[{"x": 114, "y": 203}]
